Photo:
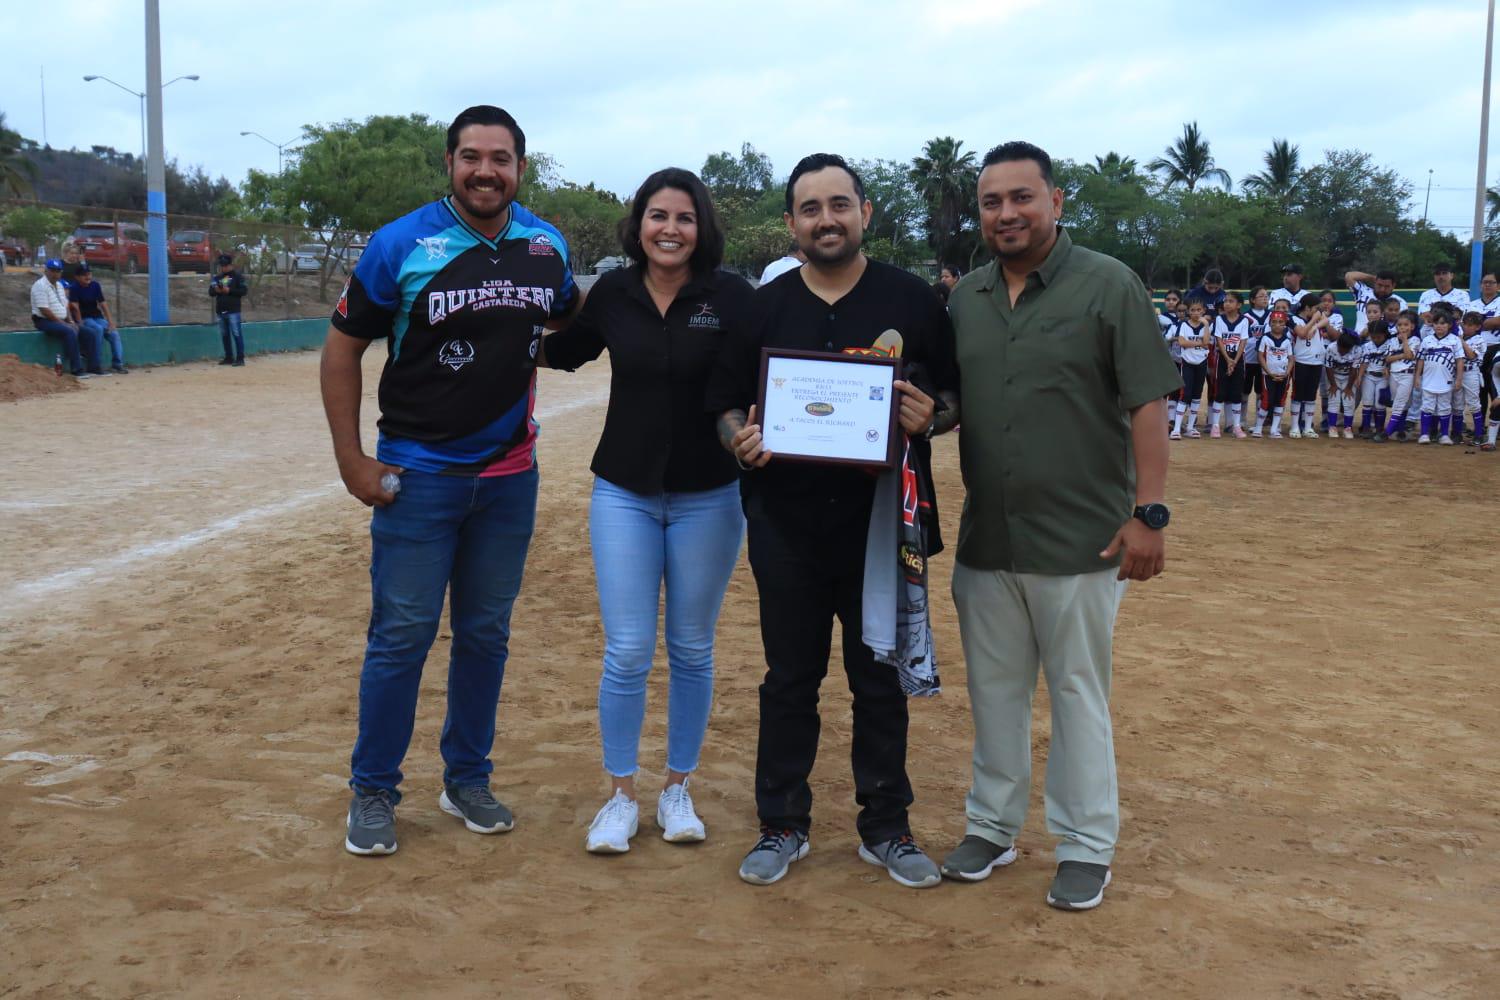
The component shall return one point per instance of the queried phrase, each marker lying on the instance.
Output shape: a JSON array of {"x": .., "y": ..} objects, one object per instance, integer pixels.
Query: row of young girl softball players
[{"x": 1428, "y": 373}]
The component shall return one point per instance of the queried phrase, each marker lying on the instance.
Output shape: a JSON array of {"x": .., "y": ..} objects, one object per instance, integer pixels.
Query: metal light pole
[
  {"x": 156, "y": 173},
  {"x": 142, "y": 96},
  {"x": 1476, "y": 258},
  {"x": 279, "y": 146},
  {"x": 1428, "y": 200}
]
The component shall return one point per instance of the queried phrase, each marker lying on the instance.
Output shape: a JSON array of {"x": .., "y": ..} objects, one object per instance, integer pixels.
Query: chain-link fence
[{"x": 291, "y": 271}]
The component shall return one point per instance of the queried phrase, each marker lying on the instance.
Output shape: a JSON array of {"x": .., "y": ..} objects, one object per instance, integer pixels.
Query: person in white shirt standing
[
  {"x": 1291, "y": 290},
  {"x": 49, "y": 314},
  {"x": 1196, "y": 337},
  {"x": 1442, "y": 290},
  {"x": 1275, "y": 370},
  {"x": 1379, "y": 287},
  {"x": 1308, "y": 350},
  {"x": 1440, "y": 364},
  {"x": 794, "y": 259}
]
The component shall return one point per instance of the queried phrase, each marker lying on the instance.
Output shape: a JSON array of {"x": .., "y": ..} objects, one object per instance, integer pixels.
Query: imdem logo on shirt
[
  {"x": 705, "y": 318},
  {"x": 455, "y": 354}
]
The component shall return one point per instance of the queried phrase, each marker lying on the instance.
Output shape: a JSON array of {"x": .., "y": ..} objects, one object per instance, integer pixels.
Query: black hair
[
  {"x": 1442, "y": 265},
  {"x": 1019, "y": 149},
  {"x": 952, "y": 269},
  {"x": 709, "y": 252},
  {"x": 1474, "y": 317},
  {"x": 1381, "y": 327},
  {"x": 1411, "y": 314},
  {"x": 486, "y": 114},
  {"x": 1327, "y": 291},
  {"x": 1306, "y": 302},
  {"x": 1347, "y": 341},
  {"x": 1255, "y": 289},
  {"x": 814, "y": 162},
  {"x": 1213, "y": 276},
  {"x": 1385, "y": 276},
  {"x": 1172, "y": 291},
  {"x": 1230, "y": 293},
  {"x": 1445, "y": 308},
  {"x": 942, "y": 291}
]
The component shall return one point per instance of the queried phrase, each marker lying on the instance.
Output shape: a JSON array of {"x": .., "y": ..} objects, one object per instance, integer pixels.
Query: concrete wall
[{"x": 166, "y": 345}]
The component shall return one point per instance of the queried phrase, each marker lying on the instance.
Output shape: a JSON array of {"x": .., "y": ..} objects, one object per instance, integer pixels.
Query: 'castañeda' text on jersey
[
  {"x": 1440, "y": 357},
  {"x": 1277, "y": 353},
  {"x": 463, "y": 314}
]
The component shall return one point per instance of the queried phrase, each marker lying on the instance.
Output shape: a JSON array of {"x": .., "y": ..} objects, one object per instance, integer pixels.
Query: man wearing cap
[
  {"x": 88, "y": 310},
  {"x": 227, "y": 289},
  {"x": 1291, "y": 288},
  {"x": 49, "y": 314},
  {"x": 1379, "y": 287}
]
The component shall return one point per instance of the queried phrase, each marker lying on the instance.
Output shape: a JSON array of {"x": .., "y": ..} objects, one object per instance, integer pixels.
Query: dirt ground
[
  {"x": 20, "y": 380},
  {"x": 271, "y": 297},
  {"x": 1304, "y": 708}
]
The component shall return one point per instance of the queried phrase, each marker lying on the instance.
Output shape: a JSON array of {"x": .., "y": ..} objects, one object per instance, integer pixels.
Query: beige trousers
[{"x": 1012, "y": 624}]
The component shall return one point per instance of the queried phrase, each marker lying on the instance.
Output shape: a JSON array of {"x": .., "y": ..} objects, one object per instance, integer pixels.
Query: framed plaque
[{"x": 837, "y": 409}]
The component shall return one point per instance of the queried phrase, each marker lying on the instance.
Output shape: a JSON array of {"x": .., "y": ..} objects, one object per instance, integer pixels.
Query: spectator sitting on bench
[
  {"x": 49, "y": 314},
  {"x": 87, "y": 308}
]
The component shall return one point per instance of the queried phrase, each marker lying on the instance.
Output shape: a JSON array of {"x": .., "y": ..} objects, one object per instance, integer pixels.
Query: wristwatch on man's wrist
[{"x": 1153, "y": 515}]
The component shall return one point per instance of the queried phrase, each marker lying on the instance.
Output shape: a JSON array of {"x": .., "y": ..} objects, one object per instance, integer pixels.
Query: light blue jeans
[{"x": 690, "y": 540}]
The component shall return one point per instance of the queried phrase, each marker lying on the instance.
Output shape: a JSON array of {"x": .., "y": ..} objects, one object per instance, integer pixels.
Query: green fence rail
[{"x": 168, "y": 345}]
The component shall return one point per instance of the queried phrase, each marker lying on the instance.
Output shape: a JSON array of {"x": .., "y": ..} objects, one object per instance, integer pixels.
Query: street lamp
[
  {"x": 279, "y": 146},
  {"x": 142, "y": 95}
]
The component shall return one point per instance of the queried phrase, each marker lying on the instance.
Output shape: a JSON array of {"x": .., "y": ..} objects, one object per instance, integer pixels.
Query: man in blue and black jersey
[{"x": 460, "y": 290}]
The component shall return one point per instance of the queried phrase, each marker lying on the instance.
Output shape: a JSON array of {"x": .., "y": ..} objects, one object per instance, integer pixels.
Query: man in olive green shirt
[{"x": 1064, "y": 455}]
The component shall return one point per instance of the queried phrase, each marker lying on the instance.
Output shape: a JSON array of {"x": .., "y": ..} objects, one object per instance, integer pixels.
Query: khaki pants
[{"x": 1011, "y": 624}]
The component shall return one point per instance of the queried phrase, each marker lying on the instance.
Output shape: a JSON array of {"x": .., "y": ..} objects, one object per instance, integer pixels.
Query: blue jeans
[
  {"x": 690, "y": 540},
  {"x": 229, "y": 333},
  {"x": 71, "y": 341},
  {"x": 468, "y": 536},
  {"x": 101, "y": 331}
]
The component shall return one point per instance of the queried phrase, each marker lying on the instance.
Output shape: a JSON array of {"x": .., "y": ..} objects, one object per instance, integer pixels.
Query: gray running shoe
[
  {"x": 904, "y": 861},
  {"x": 772, "y": 855},
  {"x": 974, "y": 858},
  {"x": 372, "y": 823},
  {"x": 1079, "y": 885},
  {"x": 480, "y": 811}
]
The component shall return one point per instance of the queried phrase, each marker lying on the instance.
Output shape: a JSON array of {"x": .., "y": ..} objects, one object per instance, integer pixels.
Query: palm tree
[
  {"x": 16, "y": 171},
  {"x": 1188, "y": 161},
  {"x": 1114, "y": 167},
  {"x": 1282, "y": 173},
  {"x": 1492, "y": 204},
  {"x": 947, "y": 179}
]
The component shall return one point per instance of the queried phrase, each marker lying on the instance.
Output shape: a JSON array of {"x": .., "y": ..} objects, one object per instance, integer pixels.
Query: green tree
[
  {"x": 736, "y": 181},
  {"x": 350, "y": 178},
  {"x": 948, "y": 179},
  {"x": 897, "y": 206},
  {"x": 588, "y": 217},
  {"x": 1114, "y": 167},
  {"x": 1350, "y": 206},
  {"x": 1188, "y": 161},
  {"x": 37, "y": 225},
  {"x": 16, "y": 172},
  {"x": 1282, "y": 173}
]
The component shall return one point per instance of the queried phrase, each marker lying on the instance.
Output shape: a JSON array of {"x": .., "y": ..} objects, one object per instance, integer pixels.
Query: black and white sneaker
[
  {"x": 772, "y": 855},
  {"x": 372, "y": 823},
  {"x": 1079, "y": 885},
  {"x": 480, "y": 811}
]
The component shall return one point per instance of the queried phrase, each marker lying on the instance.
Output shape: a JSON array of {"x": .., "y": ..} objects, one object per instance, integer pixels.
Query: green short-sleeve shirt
[{"x": 1047, "y": 387}]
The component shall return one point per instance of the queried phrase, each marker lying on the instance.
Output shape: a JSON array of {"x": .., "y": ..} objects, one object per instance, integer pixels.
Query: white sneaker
[
  {"x": 1275, "y": 434},
  {"x": 675, "y": 815},
  {"x": 614, "y": 825},
  {"x": 1424, "y": 439},
  {"x": 1445, "y": 439},
  {"x": 1348, "y": 433},
  {"x": 1309, "y": 433},
  {"x": 1295, "y": 433},
  {"x": 1255, "y": 432}
]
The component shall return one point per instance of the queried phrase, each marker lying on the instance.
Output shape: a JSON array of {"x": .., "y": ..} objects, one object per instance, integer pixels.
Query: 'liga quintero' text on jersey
[{"x": 463, "y": 315}]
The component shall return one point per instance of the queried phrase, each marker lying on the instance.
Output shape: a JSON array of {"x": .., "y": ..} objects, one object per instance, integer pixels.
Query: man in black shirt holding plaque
[{"x": 808, "y": 524}]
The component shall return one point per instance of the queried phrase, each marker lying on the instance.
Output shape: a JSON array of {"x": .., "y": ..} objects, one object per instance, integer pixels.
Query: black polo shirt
[
  {"x": 787, "y": 314},
  {"x": 657, "y": 437}
]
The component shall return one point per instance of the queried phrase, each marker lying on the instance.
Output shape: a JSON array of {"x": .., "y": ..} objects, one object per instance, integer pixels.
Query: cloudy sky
[{"x": 616, "y": 89}]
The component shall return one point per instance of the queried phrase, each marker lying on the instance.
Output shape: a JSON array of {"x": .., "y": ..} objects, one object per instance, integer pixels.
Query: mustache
[{"x": 828, "y": 231}]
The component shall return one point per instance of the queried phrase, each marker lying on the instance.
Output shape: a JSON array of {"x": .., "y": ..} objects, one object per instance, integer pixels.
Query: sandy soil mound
[{"x": 19, "y": 380}]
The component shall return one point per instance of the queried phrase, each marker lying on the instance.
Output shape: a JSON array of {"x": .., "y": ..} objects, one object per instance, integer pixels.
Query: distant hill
[{"x": 105, "y": 177}]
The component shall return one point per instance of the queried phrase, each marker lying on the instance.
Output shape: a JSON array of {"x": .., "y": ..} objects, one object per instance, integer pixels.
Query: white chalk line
[{"x": 29, "y": 591}]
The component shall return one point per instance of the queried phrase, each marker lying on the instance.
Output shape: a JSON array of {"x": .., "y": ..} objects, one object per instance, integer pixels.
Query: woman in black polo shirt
[{"x": 666, "y": 496}]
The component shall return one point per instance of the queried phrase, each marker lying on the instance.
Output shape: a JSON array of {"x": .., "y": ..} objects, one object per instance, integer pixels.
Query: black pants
[
  {"x": 1305, "y": 381},
  {"x": 809, "y": 568},
  {"x": 1272, "y": 391},
  {"x": 1229, "y": 387},
  {"x": 1193, "y": 378}
]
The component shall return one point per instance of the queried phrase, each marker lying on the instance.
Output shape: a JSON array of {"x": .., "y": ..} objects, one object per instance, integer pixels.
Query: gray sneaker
[
  {"x": 1079, "y": 885},
  {"x": 480, "y": 811},
  {"x": 904, "y": 861},
  {"x": 372, "y": 823},
  {"x": 772, "y": 855},
  {"x": 974, "y": 858}
]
